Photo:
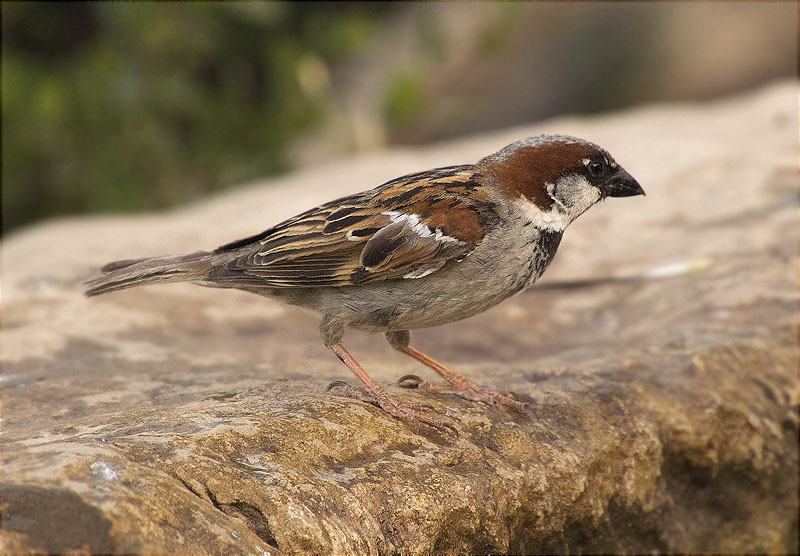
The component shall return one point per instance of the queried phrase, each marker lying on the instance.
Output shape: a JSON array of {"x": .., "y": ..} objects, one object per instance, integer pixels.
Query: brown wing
[{"x": 405, "y": 228}]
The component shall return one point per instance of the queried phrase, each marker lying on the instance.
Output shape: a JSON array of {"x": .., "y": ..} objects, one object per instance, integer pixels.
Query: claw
[
  {"x": 438, "y": 424},
  {"x": 376, "y": 395},
  {"x": 403, "y": 381},
  {"x": 336, "y": 384},
  {"x": 409, "y": 413},
  {"x": 499, "y": 397},
  {"x": 355, "y": 393},
  {"x": 456, "y": 384},
  {"x": 469, "y": 392}
]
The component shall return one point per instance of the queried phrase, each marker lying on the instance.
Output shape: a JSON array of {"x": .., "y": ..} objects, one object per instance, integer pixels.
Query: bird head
[{"x": 556, "y": 178}]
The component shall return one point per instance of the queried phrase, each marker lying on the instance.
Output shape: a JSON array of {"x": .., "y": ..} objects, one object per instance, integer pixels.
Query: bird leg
[
  {"x": 374, "y": 394},
  {"x": 457, "y": 383}
]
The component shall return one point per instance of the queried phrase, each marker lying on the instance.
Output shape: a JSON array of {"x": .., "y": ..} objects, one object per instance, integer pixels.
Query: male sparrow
[{"x": 420, "y": 250}]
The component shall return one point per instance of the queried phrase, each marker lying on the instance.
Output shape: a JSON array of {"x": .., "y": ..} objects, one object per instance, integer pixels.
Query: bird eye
[{"x": 596, "y": 168}]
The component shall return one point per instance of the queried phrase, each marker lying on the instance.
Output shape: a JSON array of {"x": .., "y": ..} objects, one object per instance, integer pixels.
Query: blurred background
[{"x": 127, "y": 107}]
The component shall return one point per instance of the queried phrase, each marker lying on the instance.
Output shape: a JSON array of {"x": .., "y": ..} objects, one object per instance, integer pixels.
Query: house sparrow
[{"x": 420, "y": 250}]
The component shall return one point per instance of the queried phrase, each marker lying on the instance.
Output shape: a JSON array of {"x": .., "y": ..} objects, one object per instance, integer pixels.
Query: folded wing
[{"x": 404, "y": 229}]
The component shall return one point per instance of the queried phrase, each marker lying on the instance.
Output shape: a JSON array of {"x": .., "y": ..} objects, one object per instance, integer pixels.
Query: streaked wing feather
[{"x": 405, "y": 228}]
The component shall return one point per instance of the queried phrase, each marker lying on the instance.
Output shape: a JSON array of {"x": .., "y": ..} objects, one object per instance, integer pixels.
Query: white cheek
[
  {"x": 574, "y": 194},
  {"x": 585, "y": 198},
  {"x": 555, "y": 219}
]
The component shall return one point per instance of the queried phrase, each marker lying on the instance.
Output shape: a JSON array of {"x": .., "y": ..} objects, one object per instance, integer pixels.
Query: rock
[{"x": 659, "y": 351}]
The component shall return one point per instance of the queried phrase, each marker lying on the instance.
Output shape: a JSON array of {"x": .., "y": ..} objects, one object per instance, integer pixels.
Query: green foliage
[
  {"x": 126, "y": 106},
  {"x": 405, "y": 98}
]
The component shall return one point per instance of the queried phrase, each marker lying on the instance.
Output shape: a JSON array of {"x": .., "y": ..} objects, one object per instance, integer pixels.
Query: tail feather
[
  {"x": 116, "y": 265},
  {"x": 130, "y": 273}
]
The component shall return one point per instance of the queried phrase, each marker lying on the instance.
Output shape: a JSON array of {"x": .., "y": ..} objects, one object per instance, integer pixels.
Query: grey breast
[{"x": 509, "y": 259}]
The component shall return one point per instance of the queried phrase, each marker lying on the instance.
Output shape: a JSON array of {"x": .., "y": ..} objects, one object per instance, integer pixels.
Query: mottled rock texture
[{"x": 660, "y": 352}]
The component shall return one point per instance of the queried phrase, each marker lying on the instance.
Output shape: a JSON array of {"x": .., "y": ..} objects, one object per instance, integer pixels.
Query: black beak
[{"x": 622, "y": 184}]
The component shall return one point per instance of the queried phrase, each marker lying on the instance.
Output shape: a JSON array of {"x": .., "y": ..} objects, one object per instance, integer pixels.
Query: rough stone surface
[{"x": 660, "y": 351}]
